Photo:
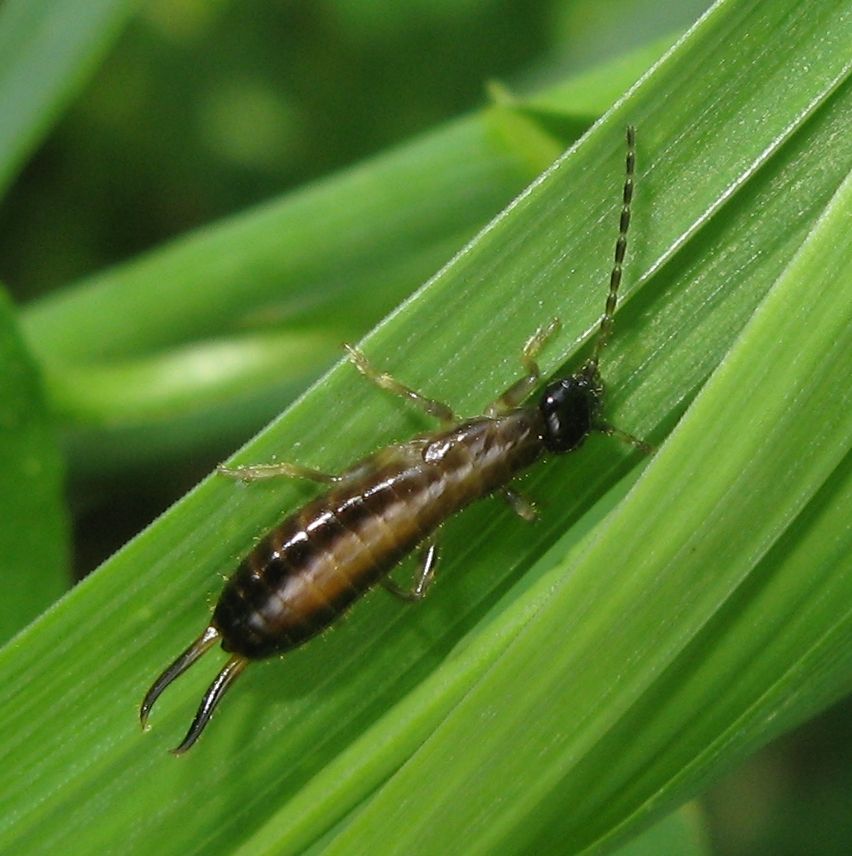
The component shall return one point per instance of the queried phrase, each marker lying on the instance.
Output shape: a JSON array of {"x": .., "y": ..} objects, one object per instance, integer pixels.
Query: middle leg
[
  {"x": 437, "y": 409},
  {"x": 520, "y": 504}
]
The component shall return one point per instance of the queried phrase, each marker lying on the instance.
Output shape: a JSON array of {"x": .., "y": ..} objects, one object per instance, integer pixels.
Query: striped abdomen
[{"x": 306, "y": 572}]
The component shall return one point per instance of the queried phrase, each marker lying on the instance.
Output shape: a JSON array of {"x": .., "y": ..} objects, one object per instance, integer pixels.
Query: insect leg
[
  {"x": 612, "y": 431},
  {"x": 257, "y": 472},
  {"x": 424, "y": 579},
  {"x": 521, "y": 505},
  {"x": 522, "y": 387},
  {"x": 438, "y": 409}
]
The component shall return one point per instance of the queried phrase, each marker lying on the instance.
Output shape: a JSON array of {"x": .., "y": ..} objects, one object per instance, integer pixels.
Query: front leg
[{"x": 518, "y": 392}]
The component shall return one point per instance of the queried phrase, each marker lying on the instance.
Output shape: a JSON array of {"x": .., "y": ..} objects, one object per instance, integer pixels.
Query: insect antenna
[
  {"x": 605, "y": 328},
  {"x": 204, "y": 642},
  {"x": 212, "y": 697}
]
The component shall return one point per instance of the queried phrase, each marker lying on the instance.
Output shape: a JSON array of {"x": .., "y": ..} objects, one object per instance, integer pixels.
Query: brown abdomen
[{"x": 305, "y": 573}]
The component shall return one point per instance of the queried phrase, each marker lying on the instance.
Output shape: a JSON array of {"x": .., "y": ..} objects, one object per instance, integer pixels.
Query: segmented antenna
[{"x": 605, "y": 328}]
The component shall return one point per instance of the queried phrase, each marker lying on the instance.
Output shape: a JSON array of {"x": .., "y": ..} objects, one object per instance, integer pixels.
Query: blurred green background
[{"x": 202, "y": 109}]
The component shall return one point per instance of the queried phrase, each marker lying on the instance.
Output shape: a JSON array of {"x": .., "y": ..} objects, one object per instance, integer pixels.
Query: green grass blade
[
  {"x": 47, "y": 50},
  {"x": 729, "y": 665},
  {"x": 738, "y": 161},
  {"x": 682, "y": 832},
  {"x": 33, "y": 522}
]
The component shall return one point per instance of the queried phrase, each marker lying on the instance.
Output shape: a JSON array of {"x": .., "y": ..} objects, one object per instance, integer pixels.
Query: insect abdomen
[{"x": 307, "y": 571}]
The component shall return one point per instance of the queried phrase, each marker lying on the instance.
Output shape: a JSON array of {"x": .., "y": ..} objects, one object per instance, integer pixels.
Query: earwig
[{"x": 313, "y": 566}]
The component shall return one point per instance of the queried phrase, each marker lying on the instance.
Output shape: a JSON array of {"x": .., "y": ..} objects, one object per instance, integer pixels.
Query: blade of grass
[
  {"x": 765, "y": 161},
  {"x": 33, "y": 522},
  {"x": 48, "y": 48},
  {"x": 682, "y": 832},
  {"x": 730, "y": 656}
]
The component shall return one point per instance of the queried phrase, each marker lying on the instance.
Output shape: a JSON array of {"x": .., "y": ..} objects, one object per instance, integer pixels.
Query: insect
[{"x": 311, "y": 567}]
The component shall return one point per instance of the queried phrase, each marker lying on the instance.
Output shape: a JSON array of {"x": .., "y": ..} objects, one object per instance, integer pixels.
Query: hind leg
[
  {"x": 257, "y": 472},
  {"x": 520, "y": 504},
  {"x": 424, "y": 578}
]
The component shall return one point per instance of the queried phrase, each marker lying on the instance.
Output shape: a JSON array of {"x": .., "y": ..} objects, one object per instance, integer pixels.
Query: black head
[{"x": 570, "y": 408}]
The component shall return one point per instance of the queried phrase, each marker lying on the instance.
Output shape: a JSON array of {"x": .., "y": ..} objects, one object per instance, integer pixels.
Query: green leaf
[
  {"x": 47, "y": 50},
  {"x": 33, "y": 524},
  {"x": 568, "y": 683},
  {"x": 751, "y": 623},
  {"x": 682, "y": 832}
]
